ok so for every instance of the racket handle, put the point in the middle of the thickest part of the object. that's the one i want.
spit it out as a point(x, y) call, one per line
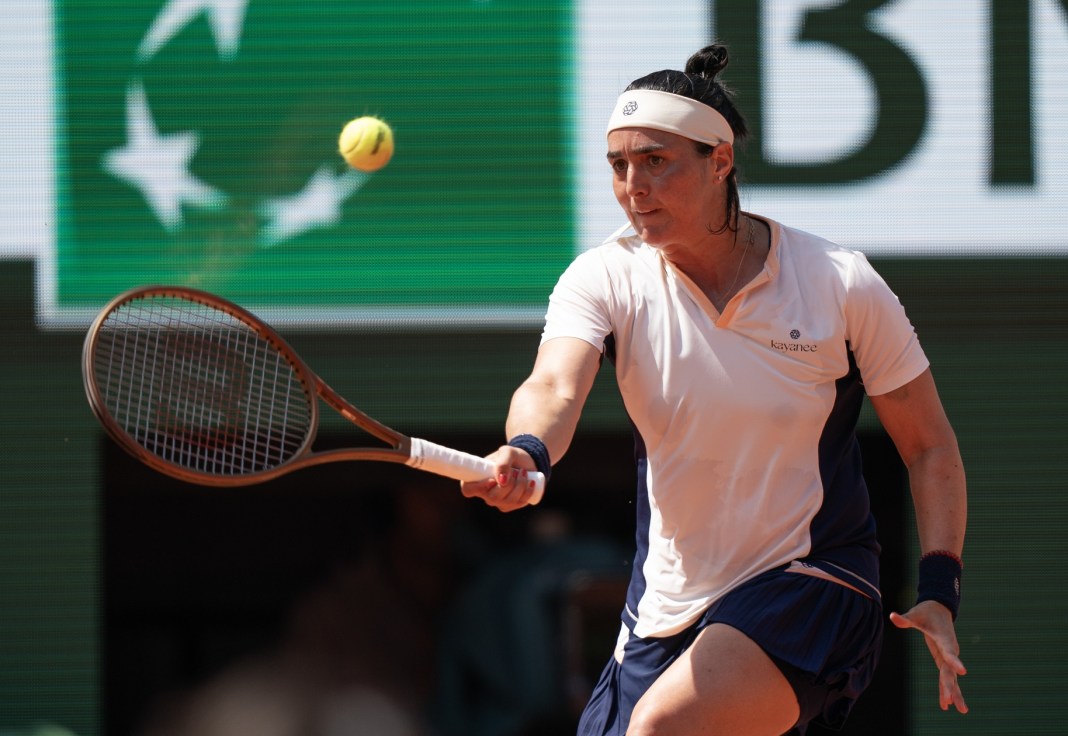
point(458, 465)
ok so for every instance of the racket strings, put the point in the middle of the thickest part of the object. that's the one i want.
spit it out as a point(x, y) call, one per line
point(199, 388)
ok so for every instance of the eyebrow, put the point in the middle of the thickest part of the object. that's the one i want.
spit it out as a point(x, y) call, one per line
point(651, 148)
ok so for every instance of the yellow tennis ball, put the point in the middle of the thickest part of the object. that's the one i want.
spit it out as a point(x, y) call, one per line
point(366, 143)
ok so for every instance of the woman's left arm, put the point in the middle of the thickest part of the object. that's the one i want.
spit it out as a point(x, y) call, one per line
point(916, 422)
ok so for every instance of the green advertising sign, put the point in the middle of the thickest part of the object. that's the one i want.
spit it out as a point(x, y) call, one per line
point(200, 148)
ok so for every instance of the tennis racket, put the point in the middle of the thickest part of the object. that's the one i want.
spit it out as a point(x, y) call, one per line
point(200, 389)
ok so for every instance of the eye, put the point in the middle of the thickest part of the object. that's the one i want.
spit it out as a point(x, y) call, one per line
point(618, 165)
point(655, 160)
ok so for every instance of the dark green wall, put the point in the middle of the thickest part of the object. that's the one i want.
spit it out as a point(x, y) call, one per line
point(995, 331)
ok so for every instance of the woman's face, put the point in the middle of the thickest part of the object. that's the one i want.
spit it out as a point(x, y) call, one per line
point(672, 194)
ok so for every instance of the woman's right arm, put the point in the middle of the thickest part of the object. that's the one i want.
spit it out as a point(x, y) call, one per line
point(548, 405)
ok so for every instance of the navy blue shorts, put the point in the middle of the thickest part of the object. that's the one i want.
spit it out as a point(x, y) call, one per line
point(825, 637)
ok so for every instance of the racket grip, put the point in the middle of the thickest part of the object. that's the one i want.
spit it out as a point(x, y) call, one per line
point(434, 458)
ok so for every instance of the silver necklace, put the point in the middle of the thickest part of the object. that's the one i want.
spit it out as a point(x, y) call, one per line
point(748, 243)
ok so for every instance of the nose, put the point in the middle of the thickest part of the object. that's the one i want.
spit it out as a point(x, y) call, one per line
point(637, 184)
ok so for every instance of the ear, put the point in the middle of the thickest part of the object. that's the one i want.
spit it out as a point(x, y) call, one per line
point(722, 160)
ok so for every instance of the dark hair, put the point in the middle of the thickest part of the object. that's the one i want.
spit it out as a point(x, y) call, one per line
point(698, 82)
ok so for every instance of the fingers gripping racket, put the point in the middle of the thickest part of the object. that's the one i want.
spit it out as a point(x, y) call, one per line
point(200, 389)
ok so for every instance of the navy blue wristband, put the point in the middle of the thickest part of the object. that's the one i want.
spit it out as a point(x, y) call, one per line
point(537, 451)
point(940, 580)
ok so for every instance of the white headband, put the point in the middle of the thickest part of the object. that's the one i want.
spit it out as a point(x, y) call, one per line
point(646, 108)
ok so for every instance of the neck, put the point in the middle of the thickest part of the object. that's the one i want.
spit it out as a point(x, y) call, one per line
point(726, 263)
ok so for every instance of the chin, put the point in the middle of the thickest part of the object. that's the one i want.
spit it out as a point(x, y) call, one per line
point(650, 234)
point(649, 237)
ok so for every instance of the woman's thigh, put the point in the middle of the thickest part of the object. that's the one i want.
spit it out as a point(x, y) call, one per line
point(723, 684)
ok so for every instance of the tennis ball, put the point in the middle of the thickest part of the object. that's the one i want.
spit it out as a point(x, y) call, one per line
point(366, 143)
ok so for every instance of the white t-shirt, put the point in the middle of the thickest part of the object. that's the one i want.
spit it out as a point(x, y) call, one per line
point(744, 420)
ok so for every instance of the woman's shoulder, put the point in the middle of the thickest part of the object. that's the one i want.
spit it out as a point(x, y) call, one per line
point(806, 243)
point(807, 252)
point(621, 250)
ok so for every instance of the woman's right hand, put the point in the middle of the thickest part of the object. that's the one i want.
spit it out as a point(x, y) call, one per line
point(506, 491)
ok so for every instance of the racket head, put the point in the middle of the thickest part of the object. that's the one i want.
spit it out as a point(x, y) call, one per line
point(198, 388)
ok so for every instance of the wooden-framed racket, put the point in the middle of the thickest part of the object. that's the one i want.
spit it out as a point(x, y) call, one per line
point(202, 390)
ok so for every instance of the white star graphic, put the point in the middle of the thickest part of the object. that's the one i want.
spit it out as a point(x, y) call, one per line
point(159, 165)
point(227, 17)
point(318, 204)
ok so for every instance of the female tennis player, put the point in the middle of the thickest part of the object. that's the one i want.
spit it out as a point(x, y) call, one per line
point(743, 349)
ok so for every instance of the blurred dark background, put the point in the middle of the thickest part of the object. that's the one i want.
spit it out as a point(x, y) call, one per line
point(371, 575)
point(126, 598)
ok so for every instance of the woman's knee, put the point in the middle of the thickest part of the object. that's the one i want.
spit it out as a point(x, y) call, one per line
point(648, 719)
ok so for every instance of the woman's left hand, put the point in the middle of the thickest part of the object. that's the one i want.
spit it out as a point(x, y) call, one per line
point(936, 623)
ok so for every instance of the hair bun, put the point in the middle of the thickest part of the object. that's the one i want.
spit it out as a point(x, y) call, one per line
point(708, 62)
